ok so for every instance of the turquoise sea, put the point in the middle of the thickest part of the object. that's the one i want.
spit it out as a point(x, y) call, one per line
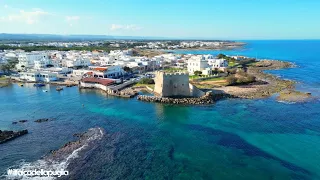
point(232, 139)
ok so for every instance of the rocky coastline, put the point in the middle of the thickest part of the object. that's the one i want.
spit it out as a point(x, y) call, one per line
point(125, 93)
point(208, 98)
point(6, 136)
point(266, 84)
point(3, 82)
point(84, 141)
point(293, 96)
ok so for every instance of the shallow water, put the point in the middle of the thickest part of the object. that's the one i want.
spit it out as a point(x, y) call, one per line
point(232, 139)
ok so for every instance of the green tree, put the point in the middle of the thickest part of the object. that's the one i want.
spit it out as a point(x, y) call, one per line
point(127, 69)
point(146, 81)
point(215, 71)
point(198, 73)
point(221, 56)
point(9, 66)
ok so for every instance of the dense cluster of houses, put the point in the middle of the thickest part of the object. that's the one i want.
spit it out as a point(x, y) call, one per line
point(179, 45)
point(47, 65)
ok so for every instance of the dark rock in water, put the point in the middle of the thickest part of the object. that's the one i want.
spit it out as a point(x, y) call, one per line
point(9, 135)
point(41, 120)
point(77, 134)
point(171, 153)
point(20, 121)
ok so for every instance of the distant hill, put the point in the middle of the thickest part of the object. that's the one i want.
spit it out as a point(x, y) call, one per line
point(54, 37)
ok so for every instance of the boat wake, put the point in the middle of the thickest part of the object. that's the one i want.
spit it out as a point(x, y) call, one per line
point(59, 160)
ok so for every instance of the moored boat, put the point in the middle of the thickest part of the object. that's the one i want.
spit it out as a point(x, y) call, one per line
point(59, 88)
point(38, 85)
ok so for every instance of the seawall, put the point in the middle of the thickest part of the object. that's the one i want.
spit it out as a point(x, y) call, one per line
point(208, 98)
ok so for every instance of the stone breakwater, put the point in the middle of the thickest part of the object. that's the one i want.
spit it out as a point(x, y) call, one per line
point(208, 98)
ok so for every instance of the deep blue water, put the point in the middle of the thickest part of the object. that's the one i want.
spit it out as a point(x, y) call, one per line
point(232, 139)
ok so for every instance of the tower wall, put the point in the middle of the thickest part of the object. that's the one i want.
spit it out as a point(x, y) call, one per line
point(172, 84)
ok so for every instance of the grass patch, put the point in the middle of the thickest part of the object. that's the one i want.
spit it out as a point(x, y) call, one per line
point(2, 78)
point(215, 79)
point(194, 77)
point(232, 64)
point(139, 84)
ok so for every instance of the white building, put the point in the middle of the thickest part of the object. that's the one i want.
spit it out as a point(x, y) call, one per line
point(43, 63)
point(38, 76)
point(218, 63)
point(79, 62)
point(197, 63)
point(113, 72)
point(80, 72)
point(27, 60)
point(205, 64)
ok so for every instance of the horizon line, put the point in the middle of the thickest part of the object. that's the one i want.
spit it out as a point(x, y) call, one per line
point(165, 38)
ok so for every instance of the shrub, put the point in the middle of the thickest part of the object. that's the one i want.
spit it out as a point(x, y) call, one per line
point(231, 80)
point(232, 71)
point(251, 78)
point(198, 73)
point(146, 81)
point(241, 72)
point(241, 80)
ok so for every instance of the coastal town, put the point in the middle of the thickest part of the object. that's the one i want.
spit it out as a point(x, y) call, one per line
point(120, 44)
point(149, 75)
point(125, 72)
point(159, 90)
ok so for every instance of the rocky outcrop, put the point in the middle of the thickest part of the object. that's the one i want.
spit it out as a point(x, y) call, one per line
point(85, 140)
point(41, 120)
point(9, 135)
point(294, 96)
point(20, 121)
point(208, 98)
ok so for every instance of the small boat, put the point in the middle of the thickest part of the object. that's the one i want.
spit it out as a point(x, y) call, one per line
point(59, 88)
point(38, 85)
point(21, 85)
point(45, 90)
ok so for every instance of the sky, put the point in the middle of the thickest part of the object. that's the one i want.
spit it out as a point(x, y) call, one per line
point(208, 19)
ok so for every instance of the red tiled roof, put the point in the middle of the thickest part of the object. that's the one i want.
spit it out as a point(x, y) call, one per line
point(104, 82)
point(100, 68)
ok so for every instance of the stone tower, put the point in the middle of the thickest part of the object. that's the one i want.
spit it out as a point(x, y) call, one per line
point(172, 84)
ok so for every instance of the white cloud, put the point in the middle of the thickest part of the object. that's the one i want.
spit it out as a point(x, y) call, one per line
point(6, 6)
point(72, 18)
point(28, 17)
point(132, 27)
